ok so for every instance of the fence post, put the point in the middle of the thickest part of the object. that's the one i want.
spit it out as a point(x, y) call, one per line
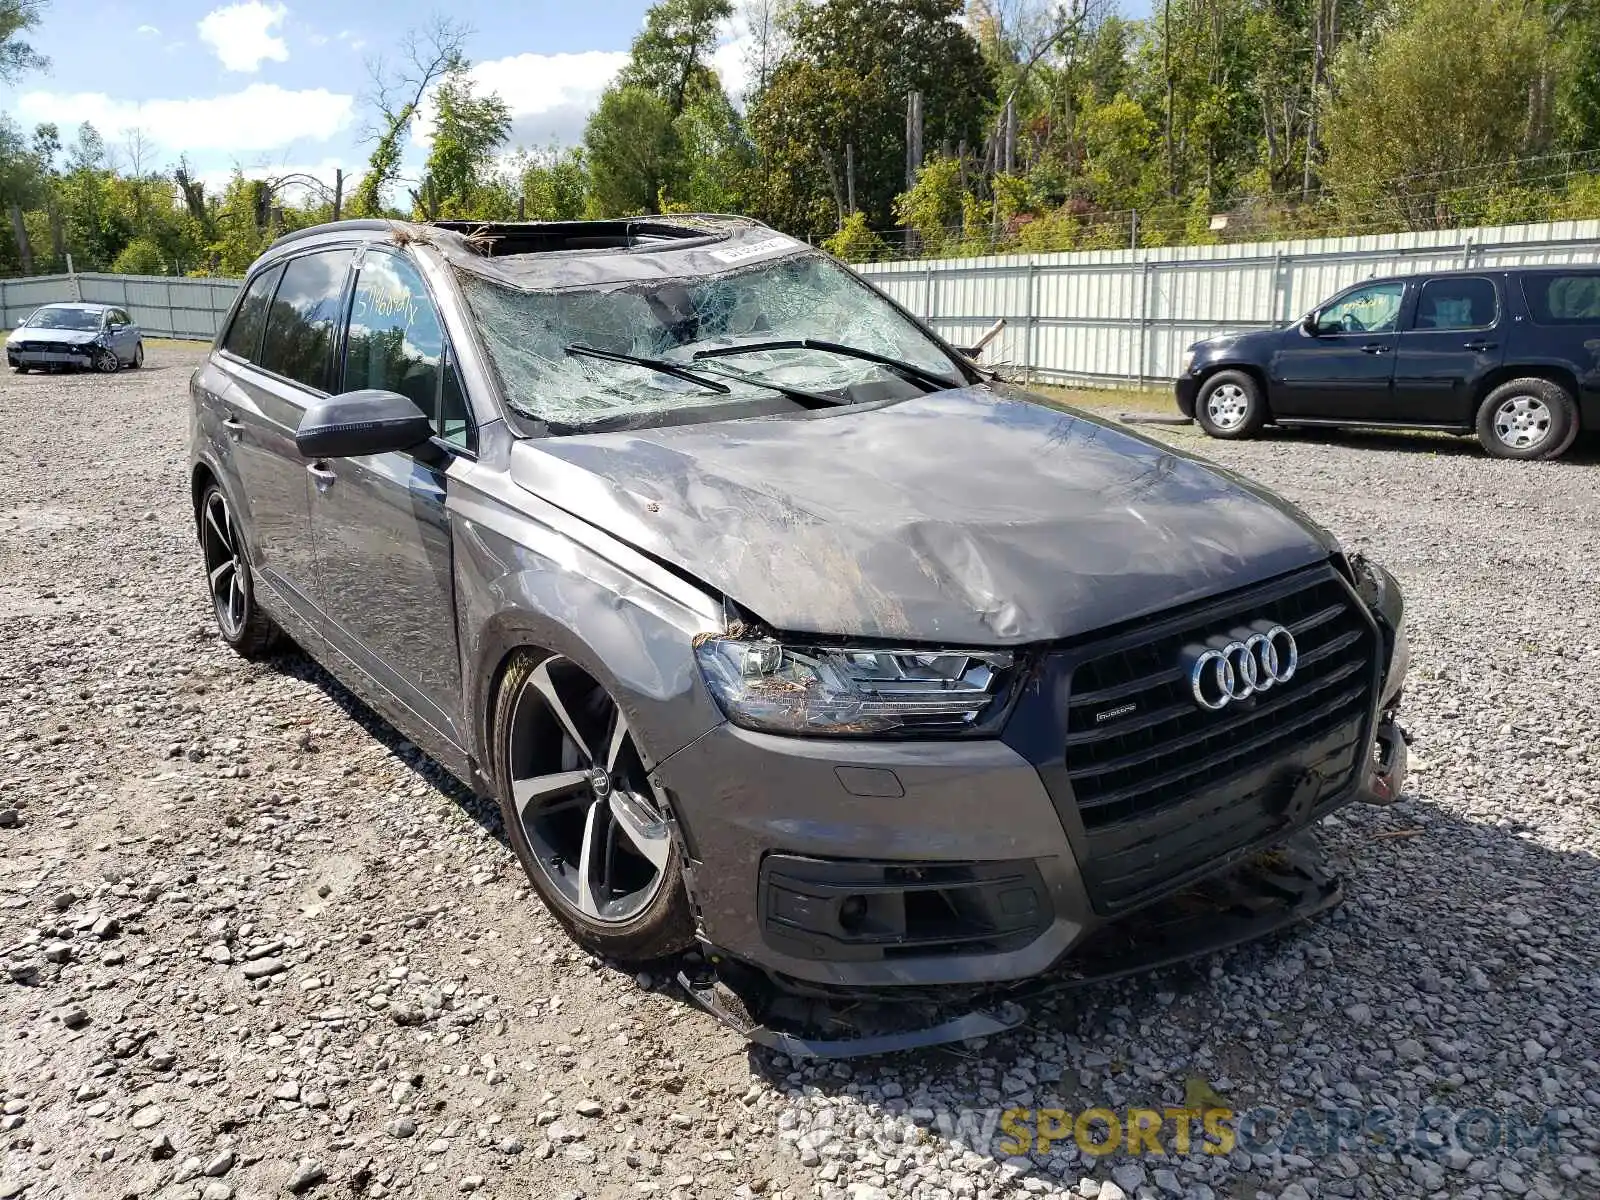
point(1029, 323)
point(1466, 256)
point(1144, 318)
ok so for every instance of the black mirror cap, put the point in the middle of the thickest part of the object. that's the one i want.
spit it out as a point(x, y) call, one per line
point(370, 421)
point(1308, 323)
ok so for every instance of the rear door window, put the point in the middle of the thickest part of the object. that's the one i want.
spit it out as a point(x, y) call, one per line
point(304, 318)
point(1563, 299)
point(1457, 304)
point(244, 335)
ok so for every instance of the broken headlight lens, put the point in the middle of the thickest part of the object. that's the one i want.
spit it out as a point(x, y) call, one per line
point(838, 691)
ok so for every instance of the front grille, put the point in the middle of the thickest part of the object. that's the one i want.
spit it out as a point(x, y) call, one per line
point(1163, 787)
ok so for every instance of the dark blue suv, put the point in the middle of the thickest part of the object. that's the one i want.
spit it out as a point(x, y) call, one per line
point(1505, 354)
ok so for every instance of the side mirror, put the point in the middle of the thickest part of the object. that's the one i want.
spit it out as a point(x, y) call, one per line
point(365, 422)
point(1308, 324)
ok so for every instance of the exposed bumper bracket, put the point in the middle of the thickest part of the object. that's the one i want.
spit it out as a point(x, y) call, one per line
point(1270, 891)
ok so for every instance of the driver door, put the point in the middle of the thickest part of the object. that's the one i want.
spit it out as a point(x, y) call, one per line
point(1344, 370)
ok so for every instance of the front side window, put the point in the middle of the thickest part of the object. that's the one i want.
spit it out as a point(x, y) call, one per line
point(244, 335)
point(531, 337)
point(304, 318)
point(1563, 299)
point(1456, 304)
point(66, 316)
point(395, 342)
point(1372, 309)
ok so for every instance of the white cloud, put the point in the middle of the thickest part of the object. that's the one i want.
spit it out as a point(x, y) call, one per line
point(550, 95)
point(263, 116)
point(148, 31)
point(242, 34)
point(731, 60)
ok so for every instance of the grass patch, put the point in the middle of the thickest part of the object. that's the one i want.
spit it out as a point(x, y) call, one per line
point(1158, 401)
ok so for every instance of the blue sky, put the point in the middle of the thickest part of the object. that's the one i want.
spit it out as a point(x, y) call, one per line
point(272, 86)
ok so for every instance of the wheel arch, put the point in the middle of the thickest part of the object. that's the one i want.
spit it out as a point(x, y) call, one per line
point(1561, 374)
point(1253, 370)
point(200, 478)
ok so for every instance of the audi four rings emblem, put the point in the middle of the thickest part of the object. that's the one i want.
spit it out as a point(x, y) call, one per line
point(1237, 670)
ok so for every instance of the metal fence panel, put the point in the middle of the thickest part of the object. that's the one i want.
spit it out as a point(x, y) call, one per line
point(1128, 315)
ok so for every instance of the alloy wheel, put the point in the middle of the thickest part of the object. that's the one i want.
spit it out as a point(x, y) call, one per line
point(592, 818)
point(219, 539)
point(1227, 406)
point(105, 361)
point(1522, 422)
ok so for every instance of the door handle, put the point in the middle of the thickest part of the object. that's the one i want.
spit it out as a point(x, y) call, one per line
point(322, 475)
point(1479, 346)
point(234, 426)
point(1375, 348)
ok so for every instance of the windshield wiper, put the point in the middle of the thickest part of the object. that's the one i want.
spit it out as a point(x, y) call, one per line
point(578, 349)
point(667, 367)
point(936, 382)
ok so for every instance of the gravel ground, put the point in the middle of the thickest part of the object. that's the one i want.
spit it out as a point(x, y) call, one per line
point(253, 942)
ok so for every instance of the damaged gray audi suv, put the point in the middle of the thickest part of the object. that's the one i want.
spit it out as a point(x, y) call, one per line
point(775, 623)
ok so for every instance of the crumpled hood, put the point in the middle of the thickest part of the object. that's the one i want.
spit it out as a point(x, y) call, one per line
point(971, 517)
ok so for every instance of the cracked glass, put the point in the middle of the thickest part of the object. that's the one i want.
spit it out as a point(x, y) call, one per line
point(803, 297)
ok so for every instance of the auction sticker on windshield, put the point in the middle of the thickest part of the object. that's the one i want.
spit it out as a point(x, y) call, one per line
point(734, 254)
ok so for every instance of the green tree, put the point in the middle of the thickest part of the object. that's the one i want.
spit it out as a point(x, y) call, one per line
point(396, 92)
point(671, 56)
point(837, 100)
point(18, 17)
point(468, 130)
point(632, 148)
point(1422, 125)
point(855, 242)
point(554, 184)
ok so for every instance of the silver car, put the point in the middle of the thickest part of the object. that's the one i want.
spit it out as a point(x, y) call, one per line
point(79, 335)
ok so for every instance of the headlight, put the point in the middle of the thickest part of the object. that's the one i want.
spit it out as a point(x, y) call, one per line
point(1188, 361)
point(839, 691)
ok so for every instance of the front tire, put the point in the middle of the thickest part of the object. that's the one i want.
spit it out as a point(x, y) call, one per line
point(1230, 406)
point(106, 361)
point(248, 630)
point(1528, 419)
point(20, 369)
point(589, 826)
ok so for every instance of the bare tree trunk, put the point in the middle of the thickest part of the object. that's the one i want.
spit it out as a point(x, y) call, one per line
point(24, 250)
point(338, 192)
point(58, 237)
point(850, 178)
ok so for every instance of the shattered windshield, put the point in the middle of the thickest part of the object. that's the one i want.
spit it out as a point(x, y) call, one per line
point(85, 320)
point(528, 334)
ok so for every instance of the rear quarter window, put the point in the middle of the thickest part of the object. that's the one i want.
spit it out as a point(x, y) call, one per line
point(1563, 299)
point(244, 335)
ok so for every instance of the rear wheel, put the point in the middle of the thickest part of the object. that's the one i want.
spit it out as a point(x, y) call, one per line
point(1528, 419)
point(591, 829)
point(242, 625)
point(1230, 406)
point(138, 354)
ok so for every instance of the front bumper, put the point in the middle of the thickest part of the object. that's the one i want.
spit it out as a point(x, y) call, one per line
point(840, 867)
point(1185, 390)
point(64, 356)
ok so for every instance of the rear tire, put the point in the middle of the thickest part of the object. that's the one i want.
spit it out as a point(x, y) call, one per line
point(1230, 406)
point(138, 356)
point(592, 832)
point(248, 630)
point(1528, 419)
